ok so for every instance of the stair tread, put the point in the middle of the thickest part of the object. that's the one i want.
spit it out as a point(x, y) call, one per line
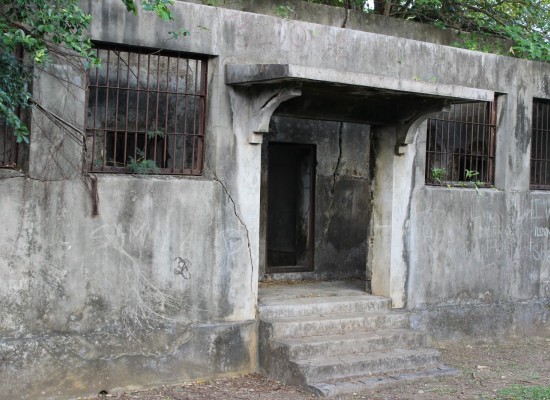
point(321, 300)
point(348, 336)
point(371, 356)
point(358, 384)
point(328, 317)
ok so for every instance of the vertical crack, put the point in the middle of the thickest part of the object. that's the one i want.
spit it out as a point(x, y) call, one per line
point(335, 176)
point(240, 221)
point(347, 7)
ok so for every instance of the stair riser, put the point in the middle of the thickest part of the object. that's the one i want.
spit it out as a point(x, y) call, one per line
point(409, 340)
point(298, 310)
point(339, 325)
point(362, 368)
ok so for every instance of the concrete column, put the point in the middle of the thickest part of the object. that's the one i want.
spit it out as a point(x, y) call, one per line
point(251, 109)
point(395, 179)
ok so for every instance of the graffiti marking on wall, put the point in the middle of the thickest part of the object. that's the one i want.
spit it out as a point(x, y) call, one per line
point(540, 218)
point(182, 267)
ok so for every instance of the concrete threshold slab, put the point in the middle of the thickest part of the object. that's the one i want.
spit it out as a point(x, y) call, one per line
point(282, 290)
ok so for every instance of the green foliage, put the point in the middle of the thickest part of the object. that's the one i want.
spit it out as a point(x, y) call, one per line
point(471, 174)
point(518, 392)
point(37, 27)
point(525, 24)
point(14, 78)
point(160, 7)
point(41, 27)
point(142, 165)
point(438, 174)
point(179, 33)
point(351, 4)
point(155, 134)
point(283, 11)
point(213, 3)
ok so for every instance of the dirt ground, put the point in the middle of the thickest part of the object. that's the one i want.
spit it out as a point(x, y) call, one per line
point(486, 368)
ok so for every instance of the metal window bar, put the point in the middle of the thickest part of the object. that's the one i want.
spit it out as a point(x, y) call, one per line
point(8, 146)
point(8, 142)
point(146, 112)
point(460, 144)
point(540, 157)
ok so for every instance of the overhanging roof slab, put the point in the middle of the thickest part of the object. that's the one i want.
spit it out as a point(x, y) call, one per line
point(262, 74)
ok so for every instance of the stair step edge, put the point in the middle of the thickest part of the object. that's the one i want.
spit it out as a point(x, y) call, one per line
point(324, 299)
point(373, 356)
point(361, 384)
point(348, 336)
point(306, 318)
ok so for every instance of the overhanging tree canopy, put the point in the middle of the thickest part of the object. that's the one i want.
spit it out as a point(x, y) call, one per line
point(40, 27)
point(526, 23)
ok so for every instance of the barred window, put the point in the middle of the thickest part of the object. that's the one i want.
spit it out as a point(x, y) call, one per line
point(460, 145)
point(8, 142)
point(8, 146)
point(146, 112)
point(540, 145)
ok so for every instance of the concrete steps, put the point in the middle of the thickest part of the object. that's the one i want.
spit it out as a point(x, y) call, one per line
point(334, 344)
point(350, 343)
point(329, 325)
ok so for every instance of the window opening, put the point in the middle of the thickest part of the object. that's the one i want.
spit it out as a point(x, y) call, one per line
point(8, 142)
point(460, 145)
point(540, 154)
point(8, 146)
point(146, 112)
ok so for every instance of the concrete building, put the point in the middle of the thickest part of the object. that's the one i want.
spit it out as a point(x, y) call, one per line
point(140, 220)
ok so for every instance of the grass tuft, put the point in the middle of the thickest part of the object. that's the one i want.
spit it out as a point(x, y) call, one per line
point(518, 392)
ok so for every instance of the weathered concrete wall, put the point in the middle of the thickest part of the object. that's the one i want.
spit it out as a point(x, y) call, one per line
point(469, 263)
point(342, 18)
point(482, 269)
point(161, 286)
point(157, 288)
point(342, 193)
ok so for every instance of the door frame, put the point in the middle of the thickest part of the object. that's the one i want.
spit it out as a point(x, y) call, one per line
point(311, 215)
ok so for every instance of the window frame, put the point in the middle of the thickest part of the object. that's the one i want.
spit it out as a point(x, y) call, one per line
point(196, 133)
point(540, 135)
point(8, 161)
point(479, 125)
point(7, 133)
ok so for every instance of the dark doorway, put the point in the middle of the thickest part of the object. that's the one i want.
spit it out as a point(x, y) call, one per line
point(290, 207)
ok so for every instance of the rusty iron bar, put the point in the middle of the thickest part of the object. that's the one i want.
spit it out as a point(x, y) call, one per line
point(169, 90)
point(8, 146)
point(461, 139)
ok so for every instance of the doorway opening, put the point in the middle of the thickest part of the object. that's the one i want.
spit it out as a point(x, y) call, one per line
point(315, 203)
point(290, 207)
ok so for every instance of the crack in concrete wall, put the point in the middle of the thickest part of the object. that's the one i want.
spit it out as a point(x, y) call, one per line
point(215, 177)
point(334, 180)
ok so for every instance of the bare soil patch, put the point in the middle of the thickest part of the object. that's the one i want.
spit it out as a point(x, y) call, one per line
point(486, 368)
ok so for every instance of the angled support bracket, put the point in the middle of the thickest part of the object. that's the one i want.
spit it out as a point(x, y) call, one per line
point(407, 129)
point(253, 107)
point(260, 120)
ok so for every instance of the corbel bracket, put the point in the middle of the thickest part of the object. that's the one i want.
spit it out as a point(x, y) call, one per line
point(263, 113)
point(407, 129)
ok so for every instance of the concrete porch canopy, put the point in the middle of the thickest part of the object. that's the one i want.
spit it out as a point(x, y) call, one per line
point(328, 94)
point(396, 106)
